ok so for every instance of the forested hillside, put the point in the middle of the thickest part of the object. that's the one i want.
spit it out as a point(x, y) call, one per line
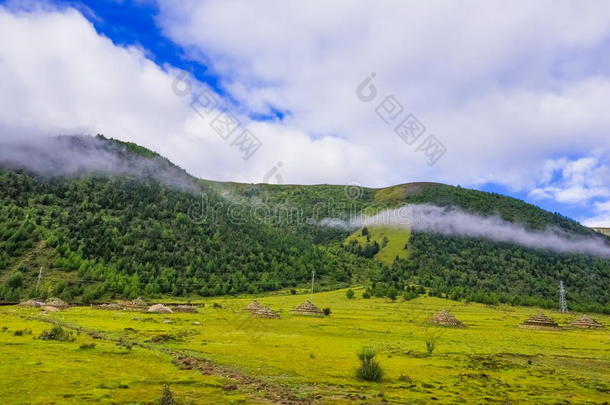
point(148, 228)
point(459, 267)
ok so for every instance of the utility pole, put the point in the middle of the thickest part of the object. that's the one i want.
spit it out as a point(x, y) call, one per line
point(563, 306)
point(39, 277)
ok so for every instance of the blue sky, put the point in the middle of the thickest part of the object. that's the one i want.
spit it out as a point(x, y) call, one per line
point(515, 106)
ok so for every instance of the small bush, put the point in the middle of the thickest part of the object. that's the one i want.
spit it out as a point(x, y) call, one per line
point(326, 311)
point(366, 295)
point(405, 379)
point(293, 291)
point(349, 294)
point(369, 369)
point(167, 398)
point(22, 332)
point(57, 333)
point(216, 305)
point(431, 345)
point(409, 295)
point(86, 346)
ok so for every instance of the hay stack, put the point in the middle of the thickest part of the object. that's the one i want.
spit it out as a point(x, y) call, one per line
point(446, 318)
point(307, 308)
point(138, 302)
point(264, 312)
point(185, 309)
point(48, 308)
point(57, 303)
point(134, 305)
point(539, 321)
point(34, 303)
point(159, 309)
point(586, 322)
point(254, 305)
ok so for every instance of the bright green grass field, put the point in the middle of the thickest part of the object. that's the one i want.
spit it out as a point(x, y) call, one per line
point(397, 239)
point(492, 360)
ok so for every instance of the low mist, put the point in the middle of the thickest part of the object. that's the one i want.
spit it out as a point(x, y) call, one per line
point(72, 156)
point(455, 222)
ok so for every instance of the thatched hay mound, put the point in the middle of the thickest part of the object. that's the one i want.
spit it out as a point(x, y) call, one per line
point(138, 302)
point(185, 309)
point(48, 308)
point(446, 318)
point(586, 323)
point(253, 306)
point(34, 303)
point(108, 307)
point(264, 312)
point(57, 303)
point(133, 305)
point(307, 308)
point(159, 309)
point(539, 321)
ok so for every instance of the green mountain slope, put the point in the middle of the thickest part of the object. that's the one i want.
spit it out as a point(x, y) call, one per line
point(383, 243)
point(151, 229)
point(127, 235)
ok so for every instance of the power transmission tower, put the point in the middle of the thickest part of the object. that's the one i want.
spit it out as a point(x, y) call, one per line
point(563, 306)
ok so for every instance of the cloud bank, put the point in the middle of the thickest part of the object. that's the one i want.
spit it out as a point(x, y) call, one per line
point(509, 90)
point(81, 155)
point(455, 222)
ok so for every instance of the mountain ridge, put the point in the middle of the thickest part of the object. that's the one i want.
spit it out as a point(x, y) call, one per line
point(126, 233)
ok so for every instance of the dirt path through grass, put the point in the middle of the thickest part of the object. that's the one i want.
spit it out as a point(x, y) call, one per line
point(252, 386)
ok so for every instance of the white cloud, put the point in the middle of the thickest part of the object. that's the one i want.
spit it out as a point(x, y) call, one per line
point(602, 216)
point(574, 181)
point(58, 76)
point(505, 87)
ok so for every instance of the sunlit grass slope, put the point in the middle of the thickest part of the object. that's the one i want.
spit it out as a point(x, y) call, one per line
point(491, 360)
point(392, 242)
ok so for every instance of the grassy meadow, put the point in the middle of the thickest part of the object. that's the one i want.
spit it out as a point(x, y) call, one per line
point(223, 356)
point(391, 240)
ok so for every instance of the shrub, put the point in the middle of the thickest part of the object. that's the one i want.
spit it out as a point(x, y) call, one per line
point(409, 295)
point(366, 295)
point(349, 294)
point(57, 333)
point(326, 311)
point(216, 305)
point(22, 332)
point(369, 369)
point(405, 379)
point(167, 398)
point(86, 346)
point(431, 345)
point(293, 291)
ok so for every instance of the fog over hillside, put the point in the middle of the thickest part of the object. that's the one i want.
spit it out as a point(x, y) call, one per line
point(453, 221)
point(77, 155)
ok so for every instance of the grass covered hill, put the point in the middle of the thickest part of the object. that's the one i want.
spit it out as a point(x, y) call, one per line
point(123, 221)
